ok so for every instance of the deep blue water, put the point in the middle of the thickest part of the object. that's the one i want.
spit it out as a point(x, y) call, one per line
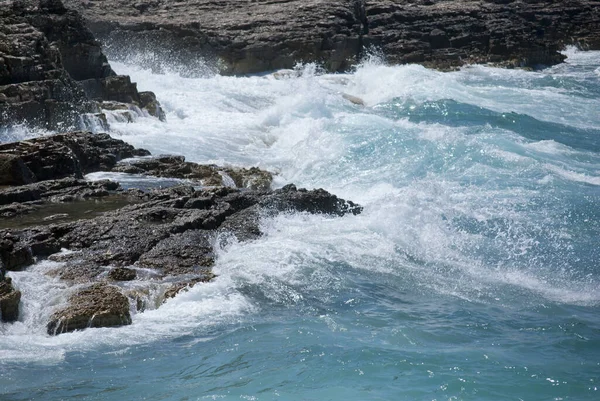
point(473, 273)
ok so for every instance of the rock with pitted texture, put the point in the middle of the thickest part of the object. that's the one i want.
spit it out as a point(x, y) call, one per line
point(160, 236)
point(98, 305)
point(236, 37)
point(61, 155)
point(52, 70)
point(248, 37)
point(446, 34)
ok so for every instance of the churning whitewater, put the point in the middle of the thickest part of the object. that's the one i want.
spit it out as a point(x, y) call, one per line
point(472, 274)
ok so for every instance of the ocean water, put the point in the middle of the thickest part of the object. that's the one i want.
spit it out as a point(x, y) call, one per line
point(473, 273)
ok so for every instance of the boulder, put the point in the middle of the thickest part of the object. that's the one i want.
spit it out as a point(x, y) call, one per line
point(98, 305)
point(13, 170)
point(9, 301)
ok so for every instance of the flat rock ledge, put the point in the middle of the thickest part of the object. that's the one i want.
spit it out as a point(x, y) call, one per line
point(163, 236)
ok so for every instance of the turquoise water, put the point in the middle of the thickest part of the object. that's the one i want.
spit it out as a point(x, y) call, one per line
point(473, 273)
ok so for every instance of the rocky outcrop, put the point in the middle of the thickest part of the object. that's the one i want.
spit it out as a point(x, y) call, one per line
point(177, 167)
point(234, 37)
point(98, 305)
point(61, 155)
point(52, 70)
point(246, 37)
point(167, 234)
point(513, 33)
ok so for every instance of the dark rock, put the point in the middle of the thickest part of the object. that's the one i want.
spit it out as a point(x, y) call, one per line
point(446, 34)
point(98, 305)
point(239, 37)
point(122, 274)
point(13, 171)
point(169, 232)
point(9, 301)
point(45, 52)
point(248, 37)
point(148, 102)
point(63, 190)
point(63, 155)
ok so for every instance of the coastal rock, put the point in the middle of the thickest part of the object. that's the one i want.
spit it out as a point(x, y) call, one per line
point(248, 37)
point(98, 305)
point(9, 301)
point(122, 274)
point(169, 234)
point(234, 37)
point(62, 155)
point(446, 34)
point(52, 70)
point(209, 175)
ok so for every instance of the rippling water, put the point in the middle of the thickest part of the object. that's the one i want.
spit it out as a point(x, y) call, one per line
point(473, 273)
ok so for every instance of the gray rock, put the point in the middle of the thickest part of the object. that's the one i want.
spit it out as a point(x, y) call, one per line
point(248, 37)
point(62, 155)
point(98, 305)
point(170, 231)
point(9, 301)
point(52, 67)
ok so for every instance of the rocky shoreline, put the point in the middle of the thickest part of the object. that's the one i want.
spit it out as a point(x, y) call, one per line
point(53, 73)
point(162, 236)
point(236, 37)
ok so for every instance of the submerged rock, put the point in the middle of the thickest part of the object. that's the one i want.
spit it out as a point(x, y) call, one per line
point(98, 305)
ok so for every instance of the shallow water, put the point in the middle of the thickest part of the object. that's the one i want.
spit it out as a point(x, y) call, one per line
point(472, 274)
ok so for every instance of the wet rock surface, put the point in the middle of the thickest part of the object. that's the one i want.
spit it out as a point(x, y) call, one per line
point(52, 69)
point(165, 235)
point(246, 37)
point(62, 155)
point(98, 305)
point(9, 300)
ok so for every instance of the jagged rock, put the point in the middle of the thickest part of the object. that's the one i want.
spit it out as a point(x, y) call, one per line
point(237, 37)
point(445, 34)
point(64, 155)
point(209, 175)
point(248, 37)
point(9, 300)
point(150, 104)
point(169, 232)
point(98, 305)
point(51, 67)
